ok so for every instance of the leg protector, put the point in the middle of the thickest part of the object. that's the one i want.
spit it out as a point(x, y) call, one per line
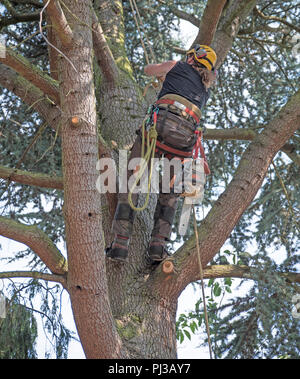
point(118, 250)
point(123, 220)
point(163, 220)
point(124, 212)
point(157, 249)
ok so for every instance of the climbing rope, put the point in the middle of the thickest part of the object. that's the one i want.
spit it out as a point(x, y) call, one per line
point(139, 24)
point(202, 283)
point(150, 141)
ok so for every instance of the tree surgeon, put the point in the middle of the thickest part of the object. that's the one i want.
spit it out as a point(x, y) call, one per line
point(185, 91)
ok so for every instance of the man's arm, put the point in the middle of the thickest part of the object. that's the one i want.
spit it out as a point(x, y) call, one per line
point(159, 70)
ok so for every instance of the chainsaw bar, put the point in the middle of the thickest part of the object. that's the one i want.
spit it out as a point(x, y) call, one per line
point(184, 218)
point(190, 200)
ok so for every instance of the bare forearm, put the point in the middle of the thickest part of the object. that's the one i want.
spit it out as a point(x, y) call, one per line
point(160, 69)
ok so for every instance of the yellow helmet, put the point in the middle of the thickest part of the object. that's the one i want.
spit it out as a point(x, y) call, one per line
point(205, 55)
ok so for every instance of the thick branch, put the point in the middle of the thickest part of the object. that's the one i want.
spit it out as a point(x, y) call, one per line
point(28, 17)
point(35, 3)
point(38, 241)
point(227, 210)
point(53, 54)
point(231, 20)
point(31, 73)
point(247, 135)
point(229, 134)
point(34, 275)
point(31, 178)
point(209, 21)
point(103, 53)
point(30, 94)
point(242, 272)
point(60, 22)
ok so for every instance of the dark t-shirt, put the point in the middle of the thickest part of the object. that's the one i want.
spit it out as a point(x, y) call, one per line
point(185, 81)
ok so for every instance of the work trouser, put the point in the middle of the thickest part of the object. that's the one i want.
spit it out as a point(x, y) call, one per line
point(179, 133)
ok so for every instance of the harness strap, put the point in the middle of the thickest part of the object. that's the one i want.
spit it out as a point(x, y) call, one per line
point(180, 106)
point(183, 101)
point(186, 154)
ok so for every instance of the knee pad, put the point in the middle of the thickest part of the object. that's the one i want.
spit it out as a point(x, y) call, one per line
point(124, 212)
point(165, 213)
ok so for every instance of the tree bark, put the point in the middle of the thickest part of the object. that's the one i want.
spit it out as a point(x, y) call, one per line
point(87, 283)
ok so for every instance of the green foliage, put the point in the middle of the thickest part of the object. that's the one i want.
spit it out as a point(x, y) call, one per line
point(256, 325)
point(18, 332)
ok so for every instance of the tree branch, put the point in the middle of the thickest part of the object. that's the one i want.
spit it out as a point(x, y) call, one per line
point(227, 210)
point(26, 17)
point(35, 3)
point(38, 241)
point(277, 19)
point(247, 135)
point(30, 94)
point(103, 53)
point(231, 19)
point(35, 275)
point(181, 14)
point(209, 21)
point(53, 54)
point(59, 22)
point(31, 178)
point(31, 73)
point(242, 272)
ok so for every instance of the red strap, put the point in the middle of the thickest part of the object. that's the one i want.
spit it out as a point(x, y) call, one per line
point(199, 148)
point(187, 110)
point(179, 153)
point(155, 118)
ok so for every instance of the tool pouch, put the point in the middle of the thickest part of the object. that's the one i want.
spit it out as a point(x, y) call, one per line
point(175, 131)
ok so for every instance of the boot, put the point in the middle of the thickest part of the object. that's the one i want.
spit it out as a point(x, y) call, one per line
point(163, 220)
point(118, 250)
point(157, 249)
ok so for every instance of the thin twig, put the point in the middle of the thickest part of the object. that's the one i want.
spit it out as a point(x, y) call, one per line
point(48, 42)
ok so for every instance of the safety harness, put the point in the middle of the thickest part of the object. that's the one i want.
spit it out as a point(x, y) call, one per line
point(150, 144)
point(182, 107)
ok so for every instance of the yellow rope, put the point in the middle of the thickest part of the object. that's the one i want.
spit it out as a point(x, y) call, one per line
point(150, 153)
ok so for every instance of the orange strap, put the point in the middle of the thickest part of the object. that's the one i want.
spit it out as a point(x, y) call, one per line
point(186, 154)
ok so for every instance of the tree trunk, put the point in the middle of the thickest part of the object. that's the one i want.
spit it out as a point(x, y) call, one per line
point(145, 320)
point(82, 206)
